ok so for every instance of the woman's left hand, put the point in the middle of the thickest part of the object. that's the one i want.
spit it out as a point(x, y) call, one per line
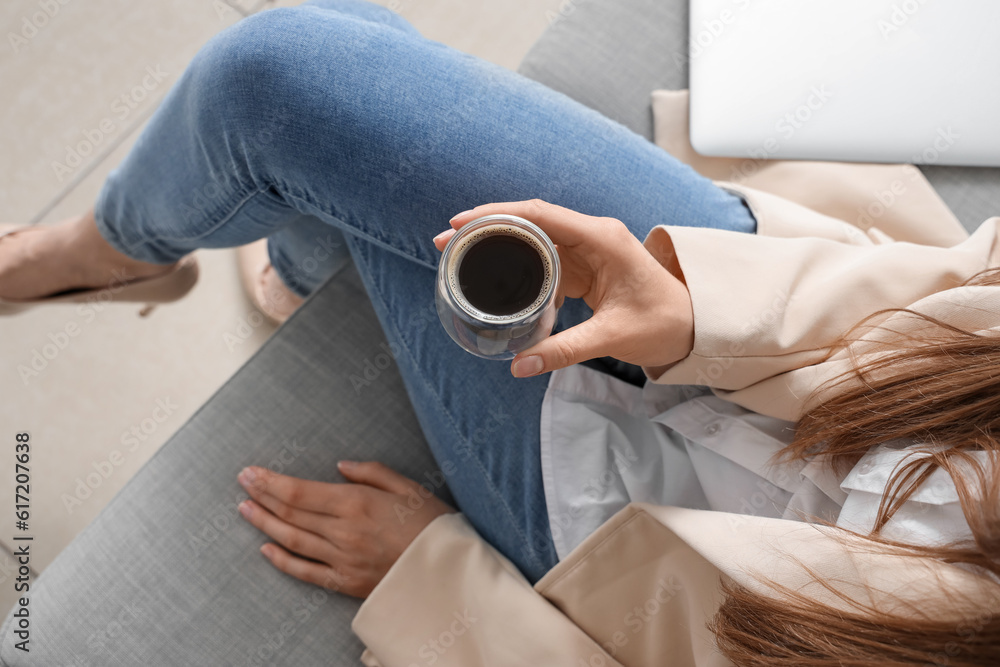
point(340, 536)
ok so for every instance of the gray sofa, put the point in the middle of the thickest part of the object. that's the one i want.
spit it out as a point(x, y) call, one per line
point(169, 575)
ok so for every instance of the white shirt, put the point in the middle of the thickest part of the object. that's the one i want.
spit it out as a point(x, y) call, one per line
point(606, 443)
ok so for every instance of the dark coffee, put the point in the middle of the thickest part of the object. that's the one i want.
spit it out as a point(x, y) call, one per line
point(501, 274)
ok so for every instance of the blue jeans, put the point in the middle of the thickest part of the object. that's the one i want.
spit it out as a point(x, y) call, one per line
point(336, 131)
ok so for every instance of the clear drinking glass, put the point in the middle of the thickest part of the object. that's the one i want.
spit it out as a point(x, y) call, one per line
point(485, 334)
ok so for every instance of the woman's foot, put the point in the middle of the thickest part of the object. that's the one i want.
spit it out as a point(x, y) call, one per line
point(263, 285)
point(40, 261)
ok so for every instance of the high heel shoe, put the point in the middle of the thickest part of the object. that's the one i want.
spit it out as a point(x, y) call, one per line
point(164, 288)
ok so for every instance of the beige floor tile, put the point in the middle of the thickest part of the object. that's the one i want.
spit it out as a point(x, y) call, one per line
point(116, 373)
point(501, 32)
point(247, 7)
point(76, 81)
point(99, 403)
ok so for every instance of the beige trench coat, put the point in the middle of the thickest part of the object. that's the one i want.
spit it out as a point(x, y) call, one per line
point(835, 243)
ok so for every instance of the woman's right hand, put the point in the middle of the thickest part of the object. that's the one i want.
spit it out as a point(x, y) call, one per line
point(642, 311)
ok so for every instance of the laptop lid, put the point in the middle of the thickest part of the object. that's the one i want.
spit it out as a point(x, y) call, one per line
point(855, 80)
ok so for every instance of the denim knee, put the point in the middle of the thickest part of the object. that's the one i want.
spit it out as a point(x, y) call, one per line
point(274, 75)
point(280, 51)
point(257, 63)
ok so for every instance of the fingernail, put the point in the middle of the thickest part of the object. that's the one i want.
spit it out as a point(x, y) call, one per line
point(247, 476)
point(460, 215)
point(245, 509)
point(528, 366)
point(346, 465)
point(442, 235)
point(267, 550)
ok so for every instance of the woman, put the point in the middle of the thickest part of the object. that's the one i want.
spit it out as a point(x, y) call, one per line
point(337, 116)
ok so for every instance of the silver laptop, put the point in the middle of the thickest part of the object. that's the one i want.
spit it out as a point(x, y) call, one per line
point(856, 80)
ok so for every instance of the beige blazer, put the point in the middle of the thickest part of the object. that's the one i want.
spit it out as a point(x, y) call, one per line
point(835, 243)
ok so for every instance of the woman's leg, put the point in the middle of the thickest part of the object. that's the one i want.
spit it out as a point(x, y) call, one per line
point(377, 131)
point(306, 253)
point(384, 135)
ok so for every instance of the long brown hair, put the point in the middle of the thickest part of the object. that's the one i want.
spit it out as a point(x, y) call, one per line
point(941, 389)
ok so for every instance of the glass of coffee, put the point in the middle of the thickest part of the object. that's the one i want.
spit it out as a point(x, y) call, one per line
point(496, 286)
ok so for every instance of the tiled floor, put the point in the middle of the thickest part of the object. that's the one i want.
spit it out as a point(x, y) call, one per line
point(77, 91)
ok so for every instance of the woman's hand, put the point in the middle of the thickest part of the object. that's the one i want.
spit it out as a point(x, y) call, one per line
point(642, 311)
point(340, 536)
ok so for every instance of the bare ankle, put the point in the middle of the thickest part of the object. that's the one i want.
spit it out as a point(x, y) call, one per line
point(37, 262)
point(104, 262)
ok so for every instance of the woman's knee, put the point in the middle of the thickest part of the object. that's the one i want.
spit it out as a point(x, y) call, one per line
point(297, 44)
point(260, 54)
point(258, 80)
point(288, 61)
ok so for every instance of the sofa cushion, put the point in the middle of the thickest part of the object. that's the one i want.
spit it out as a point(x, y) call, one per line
point(611, 54)
point(169, 574)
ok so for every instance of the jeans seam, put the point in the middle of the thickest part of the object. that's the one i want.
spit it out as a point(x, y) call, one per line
point(244, 196)
point(354, 231)
point(510, 515)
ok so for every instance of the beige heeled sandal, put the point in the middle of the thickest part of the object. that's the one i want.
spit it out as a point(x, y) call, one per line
point(164, 288)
